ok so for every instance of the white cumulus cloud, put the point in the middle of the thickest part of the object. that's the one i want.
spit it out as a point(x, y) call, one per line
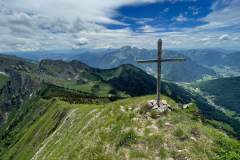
point(60, 24)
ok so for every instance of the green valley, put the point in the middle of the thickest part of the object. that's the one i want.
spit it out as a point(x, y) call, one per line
point(225, 92)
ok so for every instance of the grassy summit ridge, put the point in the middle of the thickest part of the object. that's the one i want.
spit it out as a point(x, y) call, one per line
point(125, 129)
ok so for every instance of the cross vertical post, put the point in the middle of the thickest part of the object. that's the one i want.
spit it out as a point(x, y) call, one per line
point(159, 71)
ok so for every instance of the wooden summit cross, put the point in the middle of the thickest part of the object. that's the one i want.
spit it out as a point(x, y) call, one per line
point(159, 61)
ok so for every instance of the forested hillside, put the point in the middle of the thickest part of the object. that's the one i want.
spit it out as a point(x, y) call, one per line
point(225, 92)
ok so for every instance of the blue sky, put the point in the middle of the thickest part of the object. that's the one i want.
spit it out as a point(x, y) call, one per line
point(165, 15)
point(60, 24)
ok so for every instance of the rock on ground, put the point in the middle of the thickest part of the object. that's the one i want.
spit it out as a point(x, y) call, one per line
point(164, 106)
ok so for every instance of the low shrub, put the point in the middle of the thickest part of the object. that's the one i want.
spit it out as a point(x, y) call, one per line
point(179, 133)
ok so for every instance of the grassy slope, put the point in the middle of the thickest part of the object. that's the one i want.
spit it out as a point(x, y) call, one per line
point(3, 80)
point(28, 127)
point(92, 86)
point(53, 129)
point(121, 81)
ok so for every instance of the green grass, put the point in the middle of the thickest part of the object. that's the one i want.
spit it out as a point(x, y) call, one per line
point(92, 85)
point(53, 129)
point(3, 80)
point(155, 141)
point(28, 127)
point(126, 139)
point(179, 133)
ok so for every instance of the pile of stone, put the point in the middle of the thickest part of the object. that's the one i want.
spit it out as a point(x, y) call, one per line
point(164, 106)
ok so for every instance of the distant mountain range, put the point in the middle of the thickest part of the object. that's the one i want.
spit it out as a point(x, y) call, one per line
point(215, 57)
point(173, 72)
point(223, 62)
point(200, 64)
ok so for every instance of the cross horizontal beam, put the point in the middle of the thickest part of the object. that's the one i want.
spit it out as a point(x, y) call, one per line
point(162, 60)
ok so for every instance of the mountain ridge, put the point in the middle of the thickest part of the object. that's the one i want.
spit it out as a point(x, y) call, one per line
point(127, 55)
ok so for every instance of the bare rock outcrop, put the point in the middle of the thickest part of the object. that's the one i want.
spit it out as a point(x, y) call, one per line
point(18, 89)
